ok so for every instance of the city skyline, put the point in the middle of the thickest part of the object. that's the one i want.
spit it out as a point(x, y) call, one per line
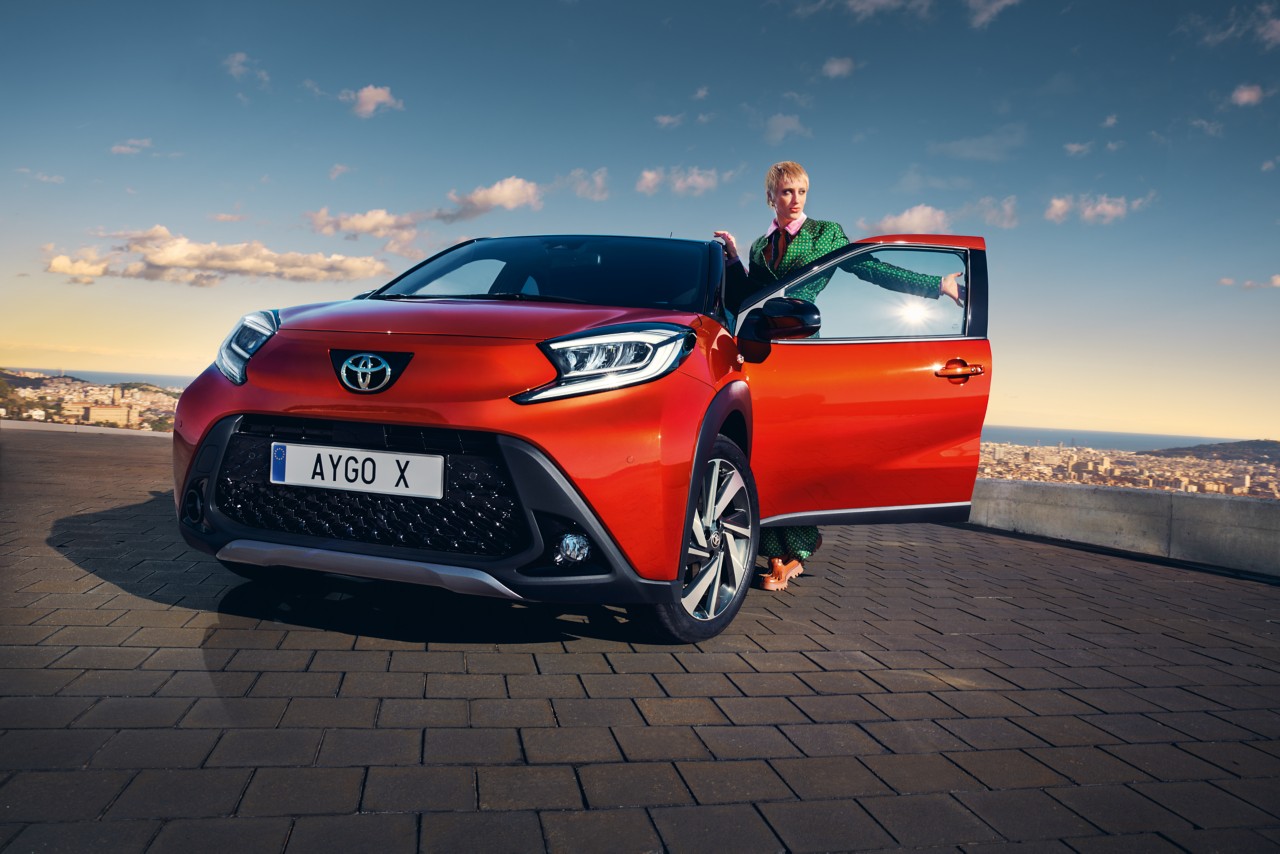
point(174, 168)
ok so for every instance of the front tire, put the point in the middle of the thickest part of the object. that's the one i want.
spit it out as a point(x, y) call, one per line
point(722, 535)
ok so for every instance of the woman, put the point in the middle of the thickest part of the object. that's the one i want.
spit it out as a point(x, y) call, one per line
point(793, 240)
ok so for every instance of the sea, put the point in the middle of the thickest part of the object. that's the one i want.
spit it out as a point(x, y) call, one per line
point(114, 377)
point(1102, 441)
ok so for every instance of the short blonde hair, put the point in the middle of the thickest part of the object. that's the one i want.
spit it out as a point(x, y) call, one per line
point(779, 172)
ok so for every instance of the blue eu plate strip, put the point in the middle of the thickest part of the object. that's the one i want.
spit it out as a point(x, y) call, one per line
point(277, 462)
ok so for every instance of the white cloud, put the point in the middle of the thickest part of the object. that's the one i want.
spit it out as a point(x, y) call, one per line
point(1059, 208)
point(1261, 22)
point(338, 170)
point(159, 255)
point(241, 66)
point(921, 219)
point(237, 64)
point(1001, 214)
point(800, 99)
point(369, 100)
point(650, 181)
point(378, 222)
point(1145, 201)
point(992, 147)
point(509, 194)
point(705, 118)
point(1078, 149)
point(1275, 281)
point(779, 127)
point(399, 230)
point(131, 146)
point(837, 66)
point(1210, 128)
point(1269, 32)
point(1115, 145)
point(1247, 96)
point(83, 268)
point(701, 93)
point(682, 181)
point(591, 186)
point(1111, 121)
point(1269, 165)
point(1096, 210)
point(226, 217)
point(863, 9)
point(42, 177)
point(1103, 209)
point(1226, 282)
point(693, 181)
point(983, 12)
point(668, 122)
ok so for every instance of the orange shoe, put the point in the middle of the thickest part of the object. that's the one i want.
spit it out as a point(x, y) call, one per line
point(780, 572)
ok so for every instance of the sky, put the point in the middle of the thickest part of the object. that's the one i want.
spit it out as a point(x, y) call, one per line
point(167, 167)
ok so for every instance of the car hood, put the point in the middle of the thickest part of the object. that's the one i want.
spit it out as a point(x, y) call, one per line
point(472, 318)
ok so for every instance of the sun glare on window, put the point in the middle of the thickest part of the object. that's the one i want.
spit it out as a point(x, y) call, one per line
point(913, 312)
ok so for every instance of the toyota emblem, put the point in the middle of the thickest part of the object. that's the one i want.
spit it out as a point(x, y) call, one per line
point(365, 373)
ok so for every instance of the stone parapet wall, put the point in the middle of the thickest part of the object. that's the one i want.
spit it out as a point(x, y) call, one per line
point(1232, 533)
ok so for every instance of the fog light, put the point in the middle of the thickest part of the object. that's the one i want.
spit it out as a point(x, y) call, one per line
point(572, 548)
point(193, 505)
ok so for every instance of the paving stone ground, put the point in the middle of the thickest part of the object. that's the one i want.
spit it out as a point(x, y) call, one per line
point(920, 688)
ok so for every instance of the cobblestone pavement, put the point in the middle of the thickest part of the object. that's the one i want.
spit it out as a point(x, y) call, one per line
point(921, 688)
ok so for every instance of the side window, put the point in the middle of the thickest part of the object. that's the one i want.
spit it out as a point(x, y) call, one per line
point(886, 292)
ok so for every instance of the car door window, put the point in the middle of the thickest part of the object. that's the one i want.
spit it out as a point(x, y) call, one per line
point(885, 292)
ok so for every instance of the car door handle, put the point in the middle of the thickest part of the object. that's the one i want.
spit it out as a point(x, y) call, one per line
point(959, 371)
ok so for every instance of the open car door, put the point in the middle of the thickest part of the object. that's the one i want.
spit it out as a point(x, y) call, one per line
point(877, 416)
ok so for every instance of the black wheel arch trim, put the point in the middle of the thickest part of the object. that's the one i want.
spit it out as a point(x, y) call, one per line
point(730, 407)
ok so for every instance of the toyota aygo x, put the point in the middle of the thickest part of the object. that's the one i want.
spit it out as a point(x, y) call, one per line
point(587, 419)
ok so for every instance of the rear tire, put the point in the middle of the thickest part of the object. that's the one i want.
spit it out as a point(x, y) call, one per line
point(722, 535)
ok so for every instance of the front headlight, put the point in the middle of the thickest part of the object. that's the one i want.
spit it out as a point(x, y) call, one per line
point(610, 358)
point(245, 339)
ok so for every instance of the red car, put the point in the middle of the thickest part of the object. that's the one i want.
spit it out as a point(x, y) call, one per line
point(587, 419)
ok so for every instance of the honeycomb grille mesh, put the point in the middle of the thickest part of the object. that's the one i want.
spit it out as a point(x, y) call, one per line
point(478, 515)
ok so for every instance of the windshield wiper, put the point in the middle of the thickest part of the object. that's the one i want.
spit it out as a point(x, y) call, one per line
point(497, 296)
point(529, 297)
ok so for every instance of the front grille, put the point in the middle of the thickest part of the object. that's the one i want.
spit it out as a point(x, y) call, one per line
point(479, 514)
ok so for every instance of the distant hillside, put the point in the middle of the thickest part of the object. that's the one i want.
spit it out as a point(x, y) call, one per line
point(1262, 451)
point(16, 381)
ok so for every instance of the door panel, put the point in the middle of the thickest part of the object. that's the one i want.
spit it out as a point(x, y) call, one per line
point(884, 408)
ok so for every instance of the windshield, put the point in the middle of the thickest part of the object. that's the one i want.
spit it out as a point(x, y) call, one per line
point(635, 272)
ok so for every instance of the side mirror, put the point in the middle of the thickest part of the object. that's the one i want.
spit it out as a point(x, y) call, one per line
point(781, 318)
point(777, 319)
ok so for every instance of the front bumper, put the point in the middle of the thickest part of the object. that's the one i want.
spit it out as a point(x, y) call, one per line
point(506, 507)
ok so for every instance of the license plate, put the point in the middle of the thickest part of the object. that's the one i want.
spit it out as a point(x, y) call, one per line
point(419, 475)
